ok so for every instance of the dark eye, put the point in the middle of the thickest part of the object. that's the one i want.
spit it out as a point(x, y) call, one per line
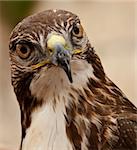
point(77, 30)
point(23, 50)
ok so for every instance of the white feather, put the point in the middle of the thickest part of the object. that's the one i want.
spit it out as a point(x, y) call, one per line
point(47, 131)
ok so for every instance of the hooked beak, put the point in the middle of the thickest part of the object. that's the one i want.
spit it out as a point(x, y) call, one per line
point(61, 55)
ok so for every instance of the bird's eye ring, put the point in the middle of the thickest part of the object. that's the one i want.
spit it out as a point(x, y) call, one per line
point(23, 50)
point(77, 30)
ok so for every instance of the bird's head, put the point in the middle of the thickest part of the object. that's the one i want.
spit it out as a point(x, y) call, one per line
point(50, 38)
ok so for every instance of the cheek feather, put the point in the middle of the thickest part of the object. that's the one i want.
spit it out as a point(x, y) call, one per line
point(55, 79)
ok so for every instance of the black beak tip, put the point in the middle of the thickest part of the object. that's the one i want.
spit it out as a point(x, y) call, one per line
point(68, 73)
point(71, 81)
point(70, 78)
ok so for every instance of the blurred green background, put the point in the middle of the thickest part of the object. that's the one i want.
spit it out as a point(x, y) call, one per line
point(13, 11)
point(110, 26)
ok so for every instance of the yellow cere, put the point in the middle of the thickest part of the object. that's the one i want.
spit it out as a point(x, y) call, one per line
point(55, 39)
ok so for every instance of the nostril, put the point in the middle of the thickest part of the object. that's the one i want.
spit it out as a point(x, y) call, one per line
point(50, 50)
point(61, 54)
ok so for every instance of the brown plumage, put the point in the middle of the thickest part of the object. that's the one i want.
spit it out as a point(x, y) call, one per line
point(66, 100)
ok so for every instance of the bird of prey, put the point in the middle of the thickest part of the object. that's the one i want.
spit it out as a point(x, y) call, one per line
point(66, 100)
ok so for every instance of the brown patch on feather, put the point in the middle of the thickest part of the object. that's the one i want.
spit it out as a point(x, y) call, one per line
point(73, 135)
point(93, 137)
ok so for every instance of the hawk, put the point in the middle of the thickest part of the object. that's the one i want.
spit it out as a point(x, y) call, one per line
point(66, 100)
